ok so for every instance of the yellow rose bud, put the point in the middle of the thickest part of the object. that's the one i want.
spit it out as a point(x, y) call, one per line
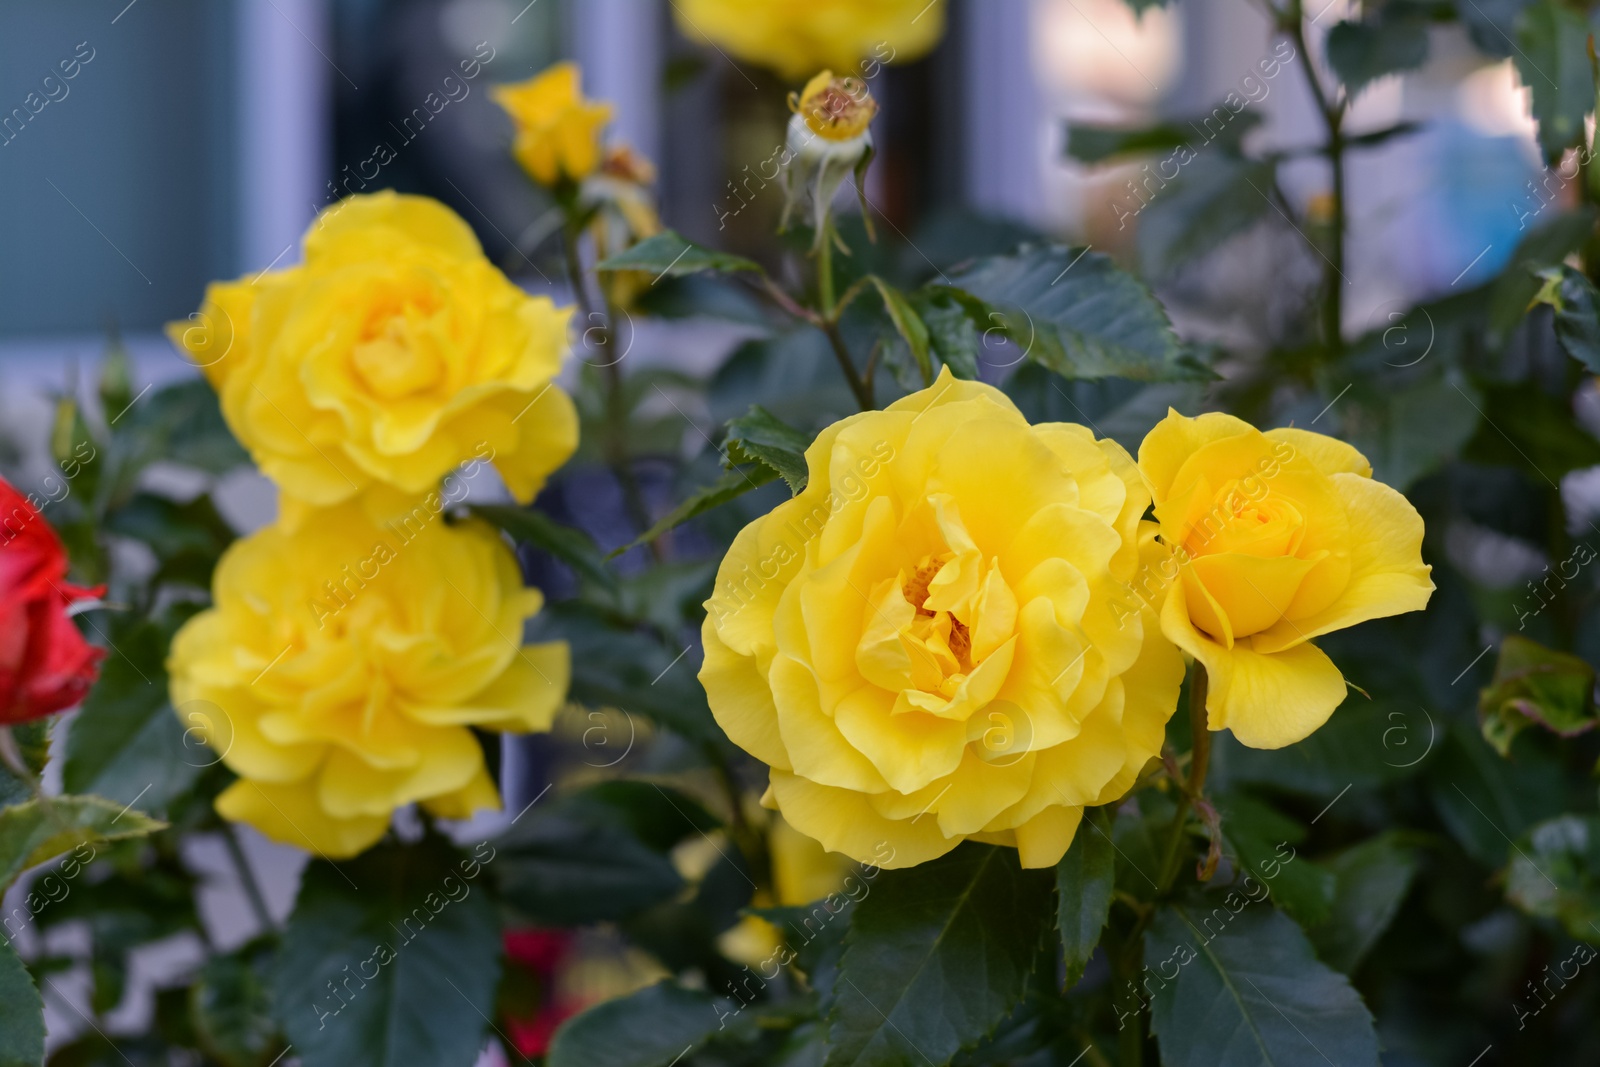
point(395, 353)
point(934, 642)
point(835, 109)
point(342, 665)
point(1278, 537)
point(558, 131)
point(796, 37)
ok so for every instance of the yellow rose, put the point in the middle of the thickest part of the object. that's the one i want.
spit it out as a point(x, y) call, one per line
point(558, 131)
point(923, 645)
point(1280, 537)
point(797, 37)
point(342, 665)
point(393, 354)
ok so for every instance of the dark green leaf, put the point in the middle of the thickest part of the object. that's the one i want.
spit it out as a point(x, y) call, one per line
point(126, 743)
point(1536, 685)
point(936, 957)
point(1211, 200)
point(1543, 247)
point(654, 1027)
point(562, 869)
point(21, 1013)
point(231, 1008)
point(32, 741)
point(658, 816)
point(1365, 746)
point(731, 485)
point(1485, 801)
point(390, 959)
point(1527, 428)
point(1075, 312)
point(1577, 314)
point(759, 436)
point(635, 674)
point(668, 255)
point(42, 829)
point(1492, 24)
point(568, 544)
point(1408, 431)
point(1238, 985)
point(1085, 879)
point(1362, 52)
point(1555, 874)
point(187, 538)
point(1370, 882)
point(1261, 841)
point(1553, 62)
point(953, 334)
point(1094, 144)
point(183, 423)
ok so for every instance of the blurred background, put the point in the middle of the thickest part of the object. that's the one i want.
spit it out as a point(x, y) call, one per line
point(199, 139)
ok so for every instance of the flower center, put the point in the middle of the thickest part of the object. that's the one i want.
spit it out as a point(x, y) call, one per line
point(394, 355)
point(1248, 519)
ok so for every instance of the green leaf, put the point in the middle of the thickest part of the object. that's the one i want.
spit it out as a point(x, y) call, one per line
point(1410, 430)
point(654, 1027)
point(731, 485)
point(1545, 246)
point(1095, 144)
point(668, 255)
point(1262, 844)
point(183, 423)
point(1553, 62)
point(566, 866)
point(907, 323)
point(1248, 991)
point(1536, 685)
point(42, 829)
point(1362, 52)
point(1370, 882)
point(568, 544)
point(1085, 879)
point(635, 674)
point(32, 742)
point(1555, 874)
point(126, 743)
point(759, 436)
point(1211, 200)
point(390, 959)
point(231, 1008)
point(1526, 428)
point(21, 1012)
point(1492, 24)
point(187, 538)
point(656, 815)
point(1577, 314)
point(1076, 313)
point(1486, 801)
point(936, 957)
point(953, 331)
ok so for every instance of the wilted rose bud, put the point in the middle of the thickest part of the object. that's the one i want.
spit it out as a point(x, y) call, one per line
point(829, 136)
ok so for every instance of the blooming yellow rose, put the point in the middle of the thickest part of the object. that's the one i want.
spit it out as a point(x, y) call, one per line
point(558, 131)
point(923, 645)
point(341, 667)
point(1279, 537)
point(393, 354)
point(797, 37)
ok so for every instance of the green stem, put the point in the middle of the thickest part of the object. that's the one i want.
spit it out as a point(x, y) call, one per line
point(825, 275)
point(1199, 764)
point(615, 444)
point(247, 878)
point(1333, 113)
point(858, 385)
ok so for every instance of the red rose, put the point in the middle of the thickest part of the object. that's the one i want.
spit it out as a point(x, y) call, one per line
point(45, 664)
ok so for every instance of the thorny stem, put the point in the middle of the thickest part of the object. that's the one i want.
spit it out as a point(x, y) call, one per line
point(1199, 763)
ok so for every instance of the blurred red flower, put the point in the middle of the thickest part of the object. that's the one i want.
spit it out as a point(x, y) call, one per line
point(540, 955)
point(45, 664)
